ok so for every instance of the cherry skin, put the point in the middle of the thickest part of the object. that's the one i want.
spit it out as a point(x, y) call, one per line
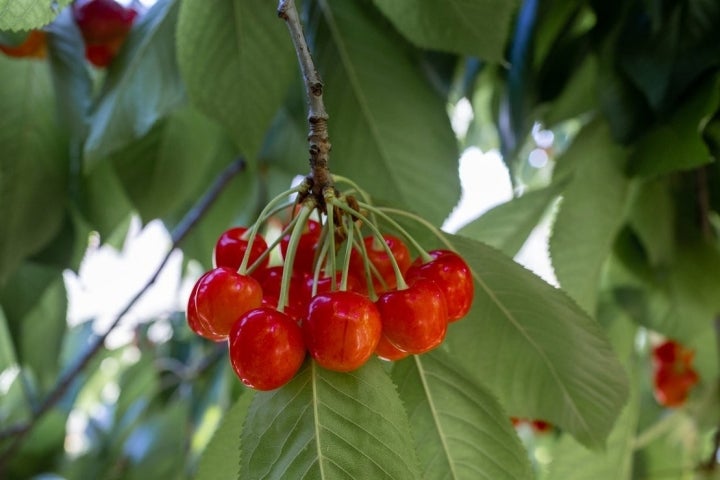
point(341, 330)
point(378, 257)
point(194, 320)
point(307, 246)
point(672, 385)
point(102, 21)
point(324, 284)
point(231, 246)
point(298, 298)
point(415, 319)
point(222, 296)
point(34, 46)
point(266, 348)
point(387, 351)
point(452, 275)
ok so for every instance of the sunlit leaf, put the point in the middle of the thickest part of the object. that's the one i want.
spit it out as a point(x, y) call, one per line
point(460, 430)
point(327, 425)
point(29, 14)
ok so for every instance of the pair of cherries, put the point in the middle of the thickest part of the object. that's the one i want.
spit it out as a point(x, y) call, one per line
point(341, 329)
point(673, 373)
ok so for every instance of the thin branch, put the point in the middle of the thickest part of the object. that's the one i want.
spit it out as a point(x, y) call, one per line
point(317, 115)
point(20, 431)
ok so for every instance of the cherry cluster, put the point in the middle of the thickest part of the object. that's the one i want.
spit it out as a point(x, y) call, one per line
point(104, 24)
point(325, 288)
point(673, 375)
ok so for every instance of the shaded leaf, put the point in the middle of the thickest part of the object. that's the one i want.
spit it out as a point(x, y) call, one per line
point(590, 214)
point(142, 84)
point(460, 429)
point(390, 131)
point(29, 14)
point(104, 203)
point(536, 349)
point(652, 217)
point(329, 425)
point(476, 28)
point(237, 61)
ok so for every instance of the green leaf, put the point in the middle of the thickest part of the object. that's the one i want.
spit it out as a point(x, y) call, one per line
point(391, 132)
point(218, 460)
point(590, 215)
point(104, 203)
point(477, 28)
point(142, 85)
point(652, 217)
point(237, 61)
point(33, 164)
point(460, 429)
point(507, 226)
point(536, 349)
point(329, 425)
point(29, 14)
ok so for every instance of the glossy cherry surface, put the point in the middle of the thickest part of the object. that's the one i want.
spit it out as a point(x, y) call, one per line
point(307, 246)
point(377, 255)
point(452, 275)
point(231, 246)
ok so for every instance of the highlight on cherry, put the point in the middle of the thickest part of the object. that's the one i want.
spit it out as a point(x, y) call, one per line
point(338, 283)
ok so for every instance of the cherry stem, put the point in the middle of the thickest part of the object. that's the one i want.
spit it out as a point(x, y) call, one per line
point(264, 215)
point(288, 228)
point(301, 219)
point(318, 138)
point(401, 284)
point(370, 270)
point(383, 211)
point(322, 256)
point(329, 196)
point(348, 252)
point(422, 252)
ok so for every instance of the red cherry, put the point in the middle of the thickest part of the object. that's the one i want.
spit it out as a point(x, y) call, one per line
point(266, 348)
point(298, 297)
point(102, 21)
point(341, 330)
point(541, 426)
point(324, 284)
point(195, 322)
point(306, 249)
point(222, 295)
point(414, 319)
point(231, 246)
point(34, 46)
point(99, 54)
point(672, 385)
point(387, 351)
point(452, 275)
point(377, 255)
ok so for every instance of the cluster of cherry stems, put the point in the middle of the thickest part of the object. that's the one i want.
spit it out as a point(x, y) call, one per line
point(333, 293)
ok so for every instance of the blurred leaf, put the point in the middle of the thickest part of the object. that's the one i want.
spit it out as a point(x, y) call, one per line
point(29, 14)
point(103, 201)
point(652, 217)
point(590, 214)
point(237, 61)
point(477, 28)
point(460, 429)
point(392, 134)
point(166, 170)
point(329, 425)
point(33, 164)
point(7, 350)
point(536, 349)
point(142, 84)
point(507, 226)
point(218, 462)
point(574, 100)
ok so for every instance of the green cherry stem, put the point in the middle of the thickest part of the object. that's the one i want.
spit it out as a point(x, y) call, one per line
point(329, 196)
point(401, 284)
point(348, 252)
point(275, 242)
point(319, 266)
point(363, 194)
point(301, 219)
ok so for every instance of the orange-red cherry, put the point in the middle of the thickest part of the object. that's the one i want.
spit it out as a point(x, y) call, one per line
point(378, 256)
point(307, 247)
point(231, 246)
point(452, 274)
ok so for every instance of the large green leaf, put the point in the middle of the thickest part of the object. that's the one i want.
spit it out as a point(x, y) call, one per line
point(142, 86)
point(237, 61)
point(389, 130)
point(536, 349)
point(460, 430)
point(33, 163)
point(329, 425)
point(590, 214)
point(507, 226)
point(468, 27)
point(29, 14)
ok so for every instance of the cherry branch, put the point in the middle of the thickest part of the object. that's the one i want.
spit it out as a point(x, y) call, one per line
point(317, 115)
point(20, 431)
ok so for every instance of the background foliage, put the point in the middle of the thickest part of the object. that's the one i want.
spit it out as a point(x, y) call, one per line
point(631, 94)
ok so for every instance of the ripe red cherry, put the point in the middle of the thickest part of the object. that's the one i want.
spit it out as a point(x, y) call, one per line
point(414, 319)
point(387, 351)
point(671, 352)
point(307, 246)
point(232, 245)
point(298, 296)
point(673, 385)
point(102, 21)
point(452, 275)
point(34, 46)
point(324, 284)
point(377, 256)
point(266, 348)
point(341, 330)
point(222, 295)
point(195, 322)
